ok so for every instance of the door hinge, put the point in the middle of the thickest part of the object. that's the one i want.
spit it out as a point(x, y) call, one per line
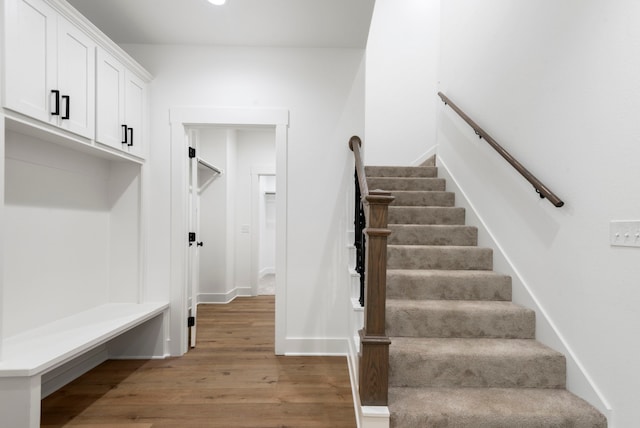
point(191, 321)
point(192, 153)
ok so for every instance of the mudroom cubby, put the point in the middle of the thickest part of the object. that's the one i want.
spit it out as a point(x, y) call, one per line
point(72, 232)
point(72, 289)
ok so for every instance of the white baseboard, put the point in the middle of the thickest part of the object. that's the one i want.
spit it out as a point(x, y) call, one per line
point(266, 271)
point(60, 376)
point(212, 298)
point(426, 155)
point(366, 416)
point(324, 346)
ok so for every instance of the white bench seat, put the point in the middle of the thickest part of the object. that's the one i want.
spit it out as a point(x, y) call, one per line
point(42, 349)
point(27, 356)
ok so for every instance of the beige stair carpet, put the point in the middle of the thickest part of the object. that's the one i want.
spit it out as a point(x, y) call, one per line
point(462, 354)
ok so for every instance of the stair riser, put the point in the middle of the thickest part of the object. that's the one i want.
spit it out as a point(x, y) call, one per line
point(490, 408)
point(432, 235)
point(391, 184)
point(464, 371)
point(400, 171)
point(442, 287)
point(496, 421)
point(460, 324)
point(424, 199)
point(426, 215)
point(447, 258)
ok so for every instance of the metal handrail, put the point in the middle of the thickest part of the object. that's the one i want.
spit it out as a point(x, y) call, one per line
point(540, 188)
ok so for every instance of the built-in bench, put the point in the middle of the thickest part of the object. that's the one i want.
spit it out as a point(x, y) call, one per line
point(28, 356)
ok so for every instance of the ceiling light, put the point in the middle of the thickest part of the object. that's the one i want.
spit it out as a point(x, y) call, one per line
point(218, 2)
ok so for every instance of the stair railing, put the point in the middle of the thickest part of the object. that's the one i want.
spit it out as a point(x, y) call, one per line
point(374, 342)
point(540, 188)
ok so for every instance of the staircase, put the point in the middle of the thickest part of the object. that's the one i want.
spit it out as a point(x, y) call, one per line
point(462, 354)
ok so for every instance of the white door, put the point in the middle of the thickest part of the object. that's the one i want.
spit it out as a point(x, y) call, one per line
point(195, 243)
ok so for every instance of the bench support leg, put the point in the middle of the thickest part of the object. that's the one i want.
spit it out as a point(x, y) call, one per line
point(20, 401)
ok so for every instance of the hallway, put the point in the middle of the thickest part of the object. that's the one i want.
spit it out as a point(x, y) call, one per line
point(232, 379)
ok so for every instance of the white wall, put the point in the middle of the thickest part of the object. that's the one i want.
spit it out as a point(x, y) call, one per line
point(212, 146)
point(401, 87)
point(323, 89)
point(557, 84)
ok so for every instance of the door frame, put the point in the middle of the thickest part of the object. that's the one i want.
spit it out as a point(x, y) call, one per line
point(256, 172)
point(180, 119)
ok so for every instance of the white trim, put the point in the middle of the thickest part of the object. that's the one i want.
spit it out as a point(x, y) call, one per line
point(426, 155)
point(583, 378)
point(2, 223)
point(266, 271)
point(256, 172)
point(366, 416)
point(323, 346)
point(223, 298)
point(181, 117)
point(60, 376)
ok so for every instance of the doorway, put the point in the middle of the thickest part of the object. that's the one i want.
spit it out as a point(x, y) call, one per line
point(183, 119)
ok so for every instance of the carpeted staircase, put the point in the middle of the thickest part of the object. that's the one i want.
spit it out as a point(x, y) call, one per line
point(462, 354)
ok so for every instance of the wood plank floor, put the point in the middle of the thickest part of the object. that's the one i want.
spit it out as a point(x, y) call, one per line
point(231, 379)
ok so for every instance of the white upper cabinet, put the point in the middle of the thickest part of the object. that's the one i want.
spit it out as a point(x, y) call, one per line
point(135, 100)
point(31, 57)
point(76, 79)
point(50, 67)
point(120, 102)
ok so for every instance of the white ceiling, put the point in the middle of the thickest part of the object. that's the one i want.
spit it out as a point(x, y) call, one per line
point(284, 23)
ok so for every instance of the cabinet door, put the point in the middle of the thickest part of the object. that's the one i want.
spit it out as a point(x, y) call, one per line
point(76, 79)
point(135, 98)
point(30, 57)
point(109, 101)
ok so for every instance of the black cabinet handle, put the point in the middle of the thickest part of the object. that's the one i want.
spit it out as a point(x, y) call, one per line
point(68, 99)
point(56, 110)
point(124, 135)
point(131, 137)
point(200, 244)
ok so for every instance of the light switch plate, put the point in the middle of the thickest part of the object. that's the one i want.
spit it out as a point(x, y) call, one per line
point(624, 233)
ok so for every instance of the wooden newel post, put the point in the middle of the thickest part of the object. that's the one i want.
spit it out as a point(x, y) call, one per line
point(374, 343)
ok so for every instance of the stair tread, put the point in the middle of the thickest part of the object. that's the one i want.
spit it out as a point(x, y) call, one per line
point(448, 273)
point(456, 257)
point(406, 183)
point(457, 362)
point(491, 408)
point(435, 284)
point(458, 305)
point(402, 171)
point(426, 215)
point(471, 346)
point(423, 198)
point(440, 247)
point(459, 318)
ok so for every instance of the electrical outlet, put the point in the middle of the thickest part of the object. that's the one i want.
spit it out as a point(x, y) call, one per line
point(624, 233)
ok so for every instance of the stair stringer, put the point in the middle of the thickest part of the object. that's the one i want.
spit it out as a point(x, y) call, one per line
point(579, 382)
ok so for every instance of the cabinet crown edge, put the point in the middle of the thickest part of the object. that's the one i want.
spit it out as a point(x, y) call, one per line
point(102, 40)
